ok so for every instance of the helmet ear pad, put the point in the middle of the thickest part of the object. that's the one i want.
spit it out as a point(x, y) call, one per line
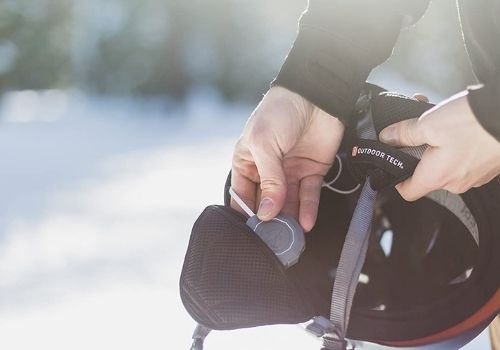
point(231, 279)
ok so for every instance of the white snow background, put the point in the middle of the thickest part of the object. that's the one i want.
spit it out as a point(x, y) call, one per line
point(97, 200)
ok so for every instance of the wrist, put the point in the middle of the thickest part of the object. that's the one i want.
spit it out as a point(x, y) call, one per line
point(298, 104)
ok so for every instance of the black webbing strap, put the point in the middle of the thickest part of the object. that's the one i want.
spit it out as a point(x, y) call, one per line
point(389, 108)
point(383, 165)
point(351, 261)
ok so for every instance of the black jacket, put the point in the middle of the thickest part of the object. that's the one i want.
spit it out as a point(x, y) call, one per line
point(341, 41)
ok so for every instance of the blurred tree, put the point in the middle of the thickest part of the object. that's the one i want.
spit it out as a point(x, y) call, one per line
point(169, 47)
point(34, 41)
point(145, 47)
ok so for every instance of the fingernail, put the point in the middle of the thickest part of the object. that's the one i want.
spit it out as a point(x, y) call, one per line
point(388, 135)
point(265, 207)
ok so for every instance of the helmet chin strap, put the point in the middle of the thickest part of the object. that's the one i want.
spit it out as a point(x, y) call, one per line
point(199, 335)
point(352, 258)
point(355, 246)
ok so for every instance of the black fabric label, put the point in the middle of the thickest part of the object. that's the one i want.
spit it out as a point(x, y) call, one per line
point(370, 154)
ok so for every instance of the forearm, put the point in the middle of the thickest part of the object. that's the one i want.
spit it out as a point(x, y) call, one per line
point(338, 44)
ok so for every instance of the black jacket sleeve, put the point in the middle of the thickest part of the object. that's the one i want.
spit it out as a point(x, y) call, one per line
point(339, 42)
point(484, 101)
point(481, 29)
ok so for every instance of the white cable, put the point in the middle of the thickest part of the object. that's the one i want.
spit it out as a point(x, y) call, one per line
point(338, 172)
point(240, 202)
point(334, 189)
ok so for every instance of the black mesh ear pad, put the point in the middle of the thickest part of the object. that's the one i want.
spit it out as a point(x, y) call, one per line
point(231, 279)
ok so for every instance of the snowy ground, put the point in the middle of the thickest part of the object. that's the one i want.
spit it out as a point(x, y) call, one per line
point(95, 213)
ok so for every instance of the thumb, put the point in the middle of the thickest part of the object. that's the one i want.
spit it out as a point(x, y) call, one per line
point(272, 183)
point(405, 133)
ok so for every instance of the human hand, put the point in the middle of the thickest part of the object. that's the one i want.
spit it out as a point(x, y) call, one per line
point(287, 147)
point(461, 154)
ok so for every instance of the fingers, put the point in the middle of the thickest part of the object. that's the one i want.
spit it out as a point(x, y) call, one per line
point(244, 177)
point(309, 195)
point(411, 133)
point(272, 182)
point(427, 177)
point(405, 133)
point(291, 206)
point(246, 190)
point(421, 97)
point(410, 189)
